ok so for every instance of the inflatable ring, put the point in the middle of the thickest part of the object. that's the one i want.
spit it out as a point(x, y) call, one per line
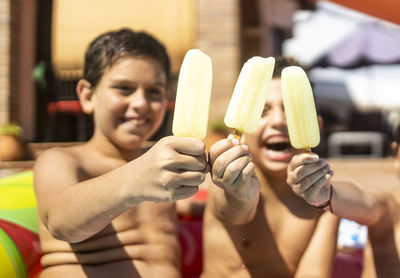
point(19, 242)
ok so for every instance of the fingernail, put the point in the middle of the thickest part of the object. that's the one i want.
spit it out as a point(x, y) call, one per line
point(329, 175)
point(245, 147)
point(230, 136)
point(235, 141)
point(314, 157)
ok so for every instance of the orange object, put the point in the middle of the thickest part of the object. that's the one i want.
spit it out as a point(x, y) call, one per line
point(383, 9)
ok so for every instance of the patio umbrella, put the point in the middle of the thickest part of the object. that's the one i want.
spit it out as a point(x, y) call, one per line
point(316, 32)
point(334, 35)
point(383, 9)
point(369, 44)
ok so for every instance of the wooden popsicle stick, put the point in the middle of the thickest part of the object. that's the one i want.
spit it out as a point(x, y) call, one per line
point(237, 135)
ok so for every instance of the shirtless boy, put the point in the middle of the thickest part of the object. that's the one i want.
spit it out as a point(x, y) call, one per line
point(273, 233)
point(367, 192)
point(105, 207)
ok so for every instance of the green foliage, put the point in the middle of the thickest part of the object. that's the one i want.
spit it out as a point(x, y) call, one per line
point(12, 129)
point(219, 126)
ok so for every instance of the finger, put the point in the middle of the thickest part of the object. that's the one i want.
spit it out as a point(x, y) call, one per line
point(302, 172)
point(246, 174)
point(227, 157)
point(188, 163)
point(184, 192)
point(301, 188)
point(187, 145)
point(319, 192)
point(249, 171)
point(220, 147)
point(314, 177)
point(301, 159)
point(186, 178)
point(234, 169)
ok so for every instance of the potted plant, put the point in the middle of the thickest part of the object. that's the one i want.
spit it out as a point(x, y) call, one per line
point(11, 145)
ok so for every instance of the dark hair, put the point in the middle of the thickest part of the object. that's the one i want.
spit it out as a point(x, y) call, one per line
point(282, 62)
point(105, 50)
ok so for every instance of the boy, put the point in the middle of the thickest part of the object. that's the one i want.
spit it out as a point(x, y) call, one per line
point(368, 194)
point(105, 206)
point(269, 234)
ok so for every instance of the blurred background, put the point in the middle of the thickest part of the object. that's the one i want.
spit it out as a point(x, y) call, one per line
point(351, 49)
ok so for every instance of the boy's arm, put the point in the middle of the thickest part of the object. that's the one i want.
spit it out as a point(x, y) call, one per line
point(309, 176)
point(73, 210)
point(234, 190)
point(319, 257)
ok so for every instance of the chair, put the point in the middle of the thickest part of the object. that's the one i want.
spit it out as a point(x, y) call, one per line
point(65, 120)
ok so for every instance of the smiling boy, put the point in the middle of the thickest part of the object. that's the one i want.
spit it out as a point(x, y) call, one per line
point(105, 207)
point(273, 233)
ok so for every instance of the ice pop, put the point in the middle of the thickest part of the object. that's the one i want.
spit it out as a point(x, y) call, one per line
point(301, 116)
point(193, 95)
point(248, 98)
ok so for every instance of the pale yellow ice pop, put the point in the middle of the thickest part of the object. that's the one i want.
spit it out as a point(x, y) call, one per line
point(249, 95)
point(301, 116)
point(193, 95)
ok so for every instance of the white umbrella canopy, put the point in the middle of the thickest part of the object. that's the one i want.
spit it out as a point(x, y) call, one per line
point(369, 44)
point(339, 39)
point(337, 36)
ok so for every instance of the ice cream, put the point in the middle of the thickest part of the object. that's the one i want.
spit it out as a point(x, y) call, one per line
point(193, 95)
point(301, 116)
point(249, 95)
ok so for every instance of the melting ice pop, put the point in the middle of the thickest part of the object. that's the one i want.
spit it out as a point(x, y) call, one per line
point(248, 98)
point(301, 116)
point(193, 95)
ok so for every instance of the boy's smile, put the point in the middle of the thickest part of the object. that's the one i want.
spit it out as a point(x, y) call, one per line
point(130, 101)
point(134, 121)
point(270, 145)
point(277, 147)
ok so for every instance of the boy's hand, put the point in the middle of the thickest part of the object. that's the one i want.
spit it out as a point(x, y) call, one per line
point(309, 177)
point(233, 171)
point(171, 170)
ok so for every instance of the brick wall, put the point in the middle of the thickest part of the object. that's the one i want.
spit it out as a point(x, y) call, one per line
point(218, 34)
point(15, 60)
point(9, 59)
point(5, 17)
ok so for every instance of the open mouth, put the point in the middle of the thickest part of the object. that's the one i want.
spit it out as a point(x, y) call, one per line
point(278, 148)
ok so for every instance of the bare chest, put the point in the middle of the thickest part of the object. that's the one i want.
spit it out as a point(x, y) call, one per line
point(149, 221)
point(146, 224)
point(273, 242)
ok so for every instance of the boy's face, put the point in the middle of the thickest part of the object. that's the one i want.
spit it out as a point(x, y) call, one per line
point(269, 145)
point(130, 101)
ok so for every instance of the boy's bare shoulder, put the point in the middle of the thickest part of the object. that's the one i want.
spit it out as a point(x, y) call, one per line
point(61, 155)
point(60, 161)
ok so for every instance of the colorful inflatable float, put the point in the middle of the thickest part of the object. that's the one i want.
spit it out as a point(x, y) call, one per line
point(19, 242)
